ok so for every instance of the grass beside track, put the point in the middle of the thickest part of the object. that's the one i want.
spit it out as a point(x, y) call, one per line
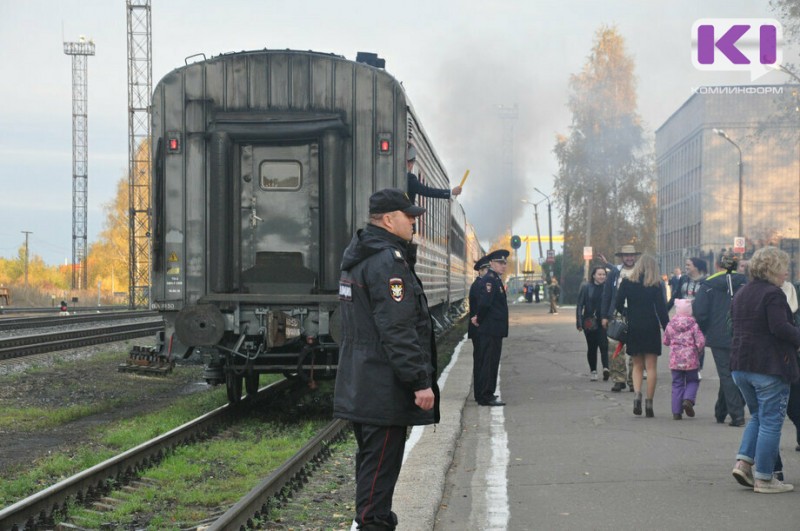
point(194, 480)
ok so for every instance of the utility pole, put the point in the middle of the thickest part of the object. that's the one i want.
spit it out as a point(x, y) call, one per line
point(26, 233)
point(140, 88)
point(80, 51)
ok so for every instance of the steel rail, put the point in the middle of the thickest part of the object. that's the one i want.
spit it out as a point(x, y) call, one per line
point(25, 345)
point(13, 323)
point(291, 475)
point(40, 508)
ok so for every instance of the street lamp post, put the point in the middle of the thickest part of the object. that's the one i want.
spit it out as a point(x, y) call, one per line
point(549, 223)
point(720, 132)
point(536, 220)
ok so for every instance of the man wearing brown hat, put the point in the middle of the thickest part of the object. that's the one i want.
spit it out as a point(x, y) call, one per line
point(628, 255)
point(386, 378)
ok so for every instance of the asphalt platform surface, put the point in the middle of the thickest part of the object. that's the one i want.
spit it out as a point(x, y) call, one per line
point(566, 453)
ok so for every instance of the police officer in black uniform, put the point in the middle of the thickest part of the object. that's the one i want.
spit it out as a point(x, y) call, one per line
point(481, 266)
point(386, 378)
point(491, 321)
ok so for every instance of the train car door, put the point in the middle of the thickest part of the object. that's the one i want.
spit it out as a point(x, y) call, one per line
point(279, 217)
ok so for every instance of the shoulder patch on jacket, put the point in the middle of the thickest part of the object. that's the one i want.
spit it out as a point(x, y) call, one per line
point(396, 288)
point(345, 291)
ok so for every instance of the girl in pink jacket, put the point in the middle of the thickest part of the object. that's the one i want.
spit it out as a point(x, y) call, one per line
point(686, 342)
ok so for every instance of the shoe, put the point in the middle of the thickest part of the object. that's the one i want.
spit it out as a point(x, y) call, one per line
point(797, 448)
point(736, 423)
point(630, 387)
point(772, 486)
point(606, 375)
point(778, 474)
point(699, 376)
point(743, 473)
point(648, 408)
point(721, 420)
point(688, 407)
point(644, 375)
point(637, 404)
point(593, 377)
point(677, 416)
point(619, 386)
point(493, 402)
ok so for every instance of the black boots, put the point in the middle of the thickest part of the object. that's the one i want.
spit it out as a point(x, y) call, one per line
point(648, 407)
point(637, 404)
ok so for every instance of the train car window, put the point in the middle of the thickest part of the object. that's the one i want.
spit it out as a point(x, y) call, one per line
point(280, 175)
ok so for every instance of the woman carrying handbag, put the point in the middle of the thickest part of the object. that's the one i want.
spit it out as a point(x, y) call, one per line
point(642, 295)
point(587, 314)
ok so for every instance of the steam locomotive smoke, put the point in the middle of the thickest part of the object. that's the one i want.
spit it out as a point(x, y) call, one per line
point(470, 89)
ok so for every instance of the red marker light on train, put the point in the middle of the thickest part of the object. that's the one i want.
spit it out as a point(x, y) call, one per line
point(173, 142)
point(385, 146)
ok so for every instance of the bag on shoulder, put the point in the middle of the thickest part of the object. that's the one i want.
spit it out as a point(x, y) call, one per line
point(618, 329)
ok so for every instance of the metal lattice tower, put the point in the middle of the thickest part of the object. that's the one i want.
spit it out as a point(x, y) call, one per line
point(80, 51)
point(140, 88)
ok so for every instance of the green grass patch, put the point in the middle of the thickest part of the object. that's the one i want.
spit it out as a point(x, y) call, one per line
point(194, 480)
point(106, 442)
point(39, 418)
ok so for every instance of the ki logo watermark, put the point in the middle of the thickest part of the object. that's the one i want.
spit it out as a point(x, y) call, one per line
point(737, 44)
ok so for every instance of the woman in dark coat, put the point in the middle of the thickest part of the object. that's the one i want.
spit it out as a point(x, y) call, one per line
point(588, 312)
point(763, 365)
point(641, 299)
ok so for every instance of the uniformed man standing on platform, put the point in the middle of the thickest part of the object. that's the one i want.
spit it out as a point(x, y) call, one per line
point(491, 322)
point(481, 266)
point(386, 378)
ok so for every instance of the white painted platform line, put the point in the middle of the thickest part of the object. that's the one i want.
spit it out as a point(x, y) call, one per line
point(497, 512)
point(416, 431)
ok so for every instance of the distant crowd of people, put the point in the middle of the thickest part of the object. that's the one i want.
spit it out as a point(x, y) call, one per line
point(386, 379)
point(750, 323)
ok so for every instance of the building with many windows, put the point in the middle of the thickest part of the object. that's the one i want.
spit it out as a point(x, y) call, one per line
point(698, 157)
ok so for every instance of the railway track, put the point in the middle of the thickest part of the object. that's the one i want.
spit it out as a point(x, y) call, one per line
point(18, 346)
point(40, 509)
point(16, 323)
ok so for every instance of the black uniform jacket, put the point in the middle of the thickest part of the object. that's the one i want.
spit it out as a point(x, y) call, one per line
point(415, 187)
point(473, 306)
point(387, 350)
point(492, 306)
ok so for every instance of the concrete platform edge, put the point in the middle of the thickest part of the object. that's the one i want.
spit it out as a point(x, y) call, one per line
point(420, 488)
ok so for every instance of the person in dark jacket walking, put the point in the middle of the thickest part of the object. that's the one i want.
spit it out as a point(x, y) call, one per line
point(491, 322)
point(711, 307)
point(481, 266)
point(763, 365)
point(588, 317)
point(386, 378)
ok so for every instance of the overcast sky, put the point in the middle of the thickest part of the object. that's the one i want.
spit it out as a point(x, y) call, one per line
point(458, 60)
